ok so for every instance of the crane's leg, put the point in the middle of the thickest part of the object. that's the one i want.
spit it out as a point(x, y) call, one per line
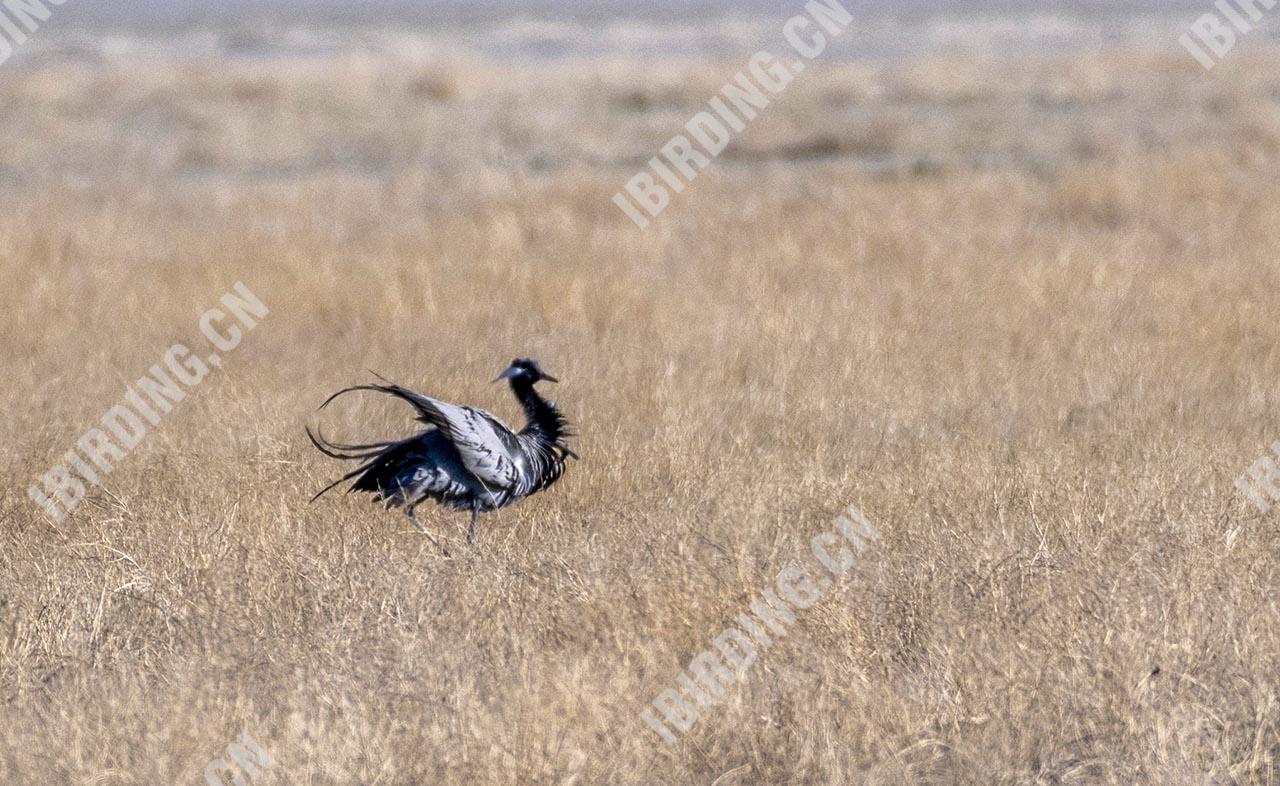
point(471, 531)
point(423, 529)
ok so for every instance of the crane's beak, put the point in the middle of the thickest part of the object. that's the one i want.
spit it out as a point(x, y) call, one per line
point(513, 371)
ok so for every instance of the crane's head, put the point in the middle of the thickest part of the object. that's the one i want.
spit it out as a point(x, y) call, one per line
point(525, 370)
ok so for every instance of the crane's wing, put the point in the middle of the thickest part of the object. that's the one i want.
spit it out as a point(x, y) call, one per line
point(485, 443)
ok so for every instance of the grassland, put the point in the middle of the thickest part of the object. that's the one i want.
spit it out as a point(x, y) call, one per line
point(1023, 315)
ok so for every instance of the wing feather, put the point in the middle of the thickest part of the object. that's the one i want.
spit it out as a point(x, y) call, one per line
point(484, 442)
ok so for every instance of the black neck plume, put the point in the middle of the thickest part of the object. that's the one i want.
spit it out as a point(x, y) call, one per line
point(543, 419)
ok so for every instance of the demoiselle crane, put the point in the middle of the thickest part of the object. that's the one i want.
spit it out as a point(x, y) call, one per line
point(467, 459)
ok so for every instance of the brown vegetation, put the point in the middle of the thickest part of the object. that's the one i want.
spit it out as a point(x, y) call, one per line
point(1037, 363)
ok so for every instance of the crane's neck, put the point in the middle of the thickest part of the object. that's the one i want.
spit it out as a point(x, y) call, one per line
point(541, 416)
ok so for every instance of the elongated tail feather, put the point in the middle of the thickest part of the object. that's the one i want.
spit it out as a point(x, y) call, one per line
point(344, 453)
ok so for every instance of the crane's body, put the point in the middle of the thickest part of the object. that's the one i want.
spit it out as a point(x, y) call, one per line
point(467, 459)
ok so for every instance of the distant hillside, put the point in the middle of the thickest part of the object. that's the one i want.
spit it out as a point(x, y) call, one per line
point(169, 12)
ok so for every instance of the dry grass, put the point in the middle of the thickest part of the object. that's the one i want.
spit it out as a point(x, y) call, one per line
point(1037, 363)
